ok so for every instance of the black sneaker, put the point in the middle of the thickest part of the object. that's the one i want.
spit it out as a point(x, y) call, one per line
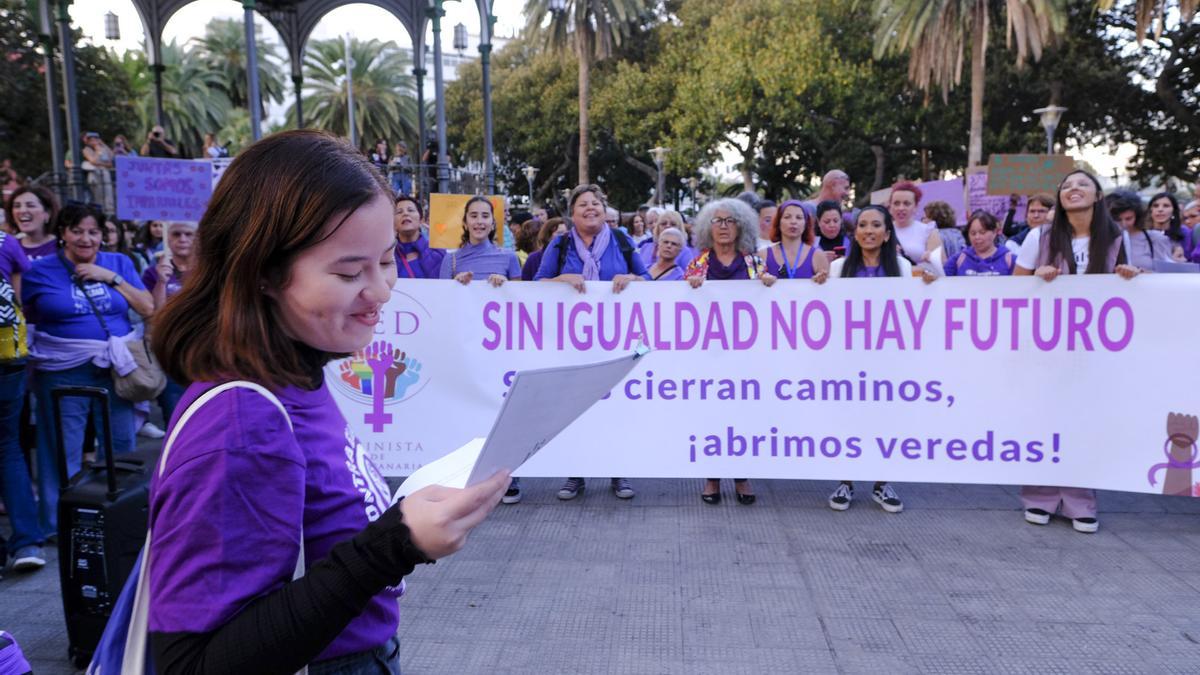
point(513, 495)
point(841, 497)
point(887, 498)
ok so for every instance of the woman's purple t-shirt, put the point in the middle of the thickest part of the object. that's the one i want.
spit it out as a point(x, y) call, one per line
point(47, 248)
point(226, 513)
point(12, 257)
point(150, 279)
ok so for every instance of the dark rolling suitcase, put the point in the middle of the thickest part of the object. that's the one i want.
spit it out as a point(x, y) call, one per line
point(102, 520)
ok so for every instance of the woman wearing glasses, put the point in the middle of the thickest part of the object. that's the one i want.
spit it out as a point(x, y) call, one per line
point(726, 236)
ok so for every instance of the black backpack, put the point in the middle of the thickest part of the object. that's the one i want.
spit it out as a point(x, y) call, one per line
point(623, 242)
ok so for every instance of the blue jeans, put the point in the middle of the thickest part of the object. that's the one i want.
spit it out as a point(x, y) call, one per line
point(383, 660)
point(168, 399)
point(15, 486)
point(401, 184)
point(74, 418)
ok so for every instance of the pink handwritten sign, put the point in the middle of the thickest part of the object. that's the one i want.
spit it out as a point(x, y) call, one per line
point(162, 189)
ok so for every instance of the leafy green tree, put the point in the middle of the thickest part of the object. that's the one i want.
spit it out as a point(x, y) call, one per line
point(194, 99)
point(591, 29)
point(385, 104)
point(104, 94)
point(934, 32)
point(223, 49)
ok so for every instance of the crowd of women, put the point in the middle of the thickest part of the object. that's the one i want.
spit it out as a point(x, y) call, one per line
point(1079, 230)
point(87, 284)
point(75, 288)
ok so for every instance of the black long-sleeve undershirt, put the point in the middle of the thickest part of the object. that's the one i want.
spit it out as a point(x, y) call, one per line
point(284, 630)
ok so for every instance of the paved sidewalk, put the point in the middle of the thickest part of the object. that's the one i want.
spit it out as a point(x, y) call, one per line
point(663, 583)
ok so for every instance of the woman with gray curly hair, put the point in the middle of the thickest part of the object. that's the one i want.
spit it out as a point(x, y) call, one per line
point(726, 235)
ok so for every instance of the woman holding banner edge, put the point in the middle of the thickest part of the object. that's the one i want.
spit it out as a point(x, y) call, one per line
point(478, 253)
point(590, 250)
point(726, 236)
point(267, 472)
point(1081, 239)
point(874, 252)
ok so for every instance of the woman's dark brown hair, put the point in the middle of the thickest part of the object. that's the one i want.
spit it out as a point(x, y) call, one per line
point(547, 230)
point(466, 234)
point(279, 197)
point(46, 197)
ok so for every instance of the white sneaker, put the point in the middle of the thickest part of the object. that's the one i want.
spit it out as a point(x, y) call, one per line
point(150, 431)
point(1085, 525)
point(28, 558)
point(841, 497)
point(1037, 516)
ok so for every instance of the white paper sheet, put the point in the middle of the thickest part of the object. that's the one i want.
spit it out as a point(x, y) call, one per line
point(539, 405)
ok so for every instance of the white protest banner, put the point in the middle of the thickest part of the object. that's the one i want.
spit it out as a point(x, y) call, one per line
point(1004, 381)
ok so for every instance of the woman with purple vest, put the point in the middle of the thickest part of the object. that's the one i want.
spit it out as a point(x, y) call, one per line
point(982, 258)
point(1082, 239)
point(793, 254)
point(414, 258)
point(294, 264)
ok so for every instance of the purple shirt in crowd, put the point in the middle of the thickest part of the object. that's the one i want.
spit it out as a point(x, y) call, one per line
point(426, 265)
point(803, 271)
point(226, 513)
point(865, 272)
point(530, 268)
point(482, 259)
point(150, 278)
point(42, 250)
point(673, 274)
point(58, 307)
point(12, 257)
point(649, 252)
point(968, 263)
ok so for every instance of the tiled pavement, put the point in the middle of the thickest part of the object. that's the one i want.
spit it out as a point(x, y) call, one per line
point(663, 583)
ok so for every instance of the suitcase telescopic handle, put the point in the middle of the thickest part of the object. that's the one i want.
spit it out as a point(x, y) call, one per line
point(100, 394)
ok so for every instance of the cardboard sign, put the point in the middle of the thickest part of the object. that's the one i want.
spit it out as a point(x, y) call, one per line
point(446, 219)
point(1026, 174)
point(162, 189)
point(997, 205)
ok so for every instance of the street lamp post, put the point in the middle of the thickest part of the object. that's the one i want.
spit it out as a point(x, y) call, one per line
point(1050, 115)
point(530, 172)
point(693, 183)
point(660, 156)
point(350, 93)
point(436, 12)
point(253, 97)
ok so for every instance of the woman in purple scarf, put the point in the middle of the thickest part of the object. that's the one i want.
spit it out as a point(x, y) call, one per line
point(590, 251)
point(414, 258)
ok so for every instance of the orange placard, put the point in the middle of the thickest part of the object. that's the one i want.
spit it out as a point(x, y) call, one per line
point(446, 219)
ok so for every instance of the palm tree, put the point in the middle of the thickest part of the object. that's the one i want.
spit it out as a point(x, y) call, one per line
point(933, 33)
point(223, 48)
point(194, 101)
point(1154, 12)
point(592, 28)
point(385, 101)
